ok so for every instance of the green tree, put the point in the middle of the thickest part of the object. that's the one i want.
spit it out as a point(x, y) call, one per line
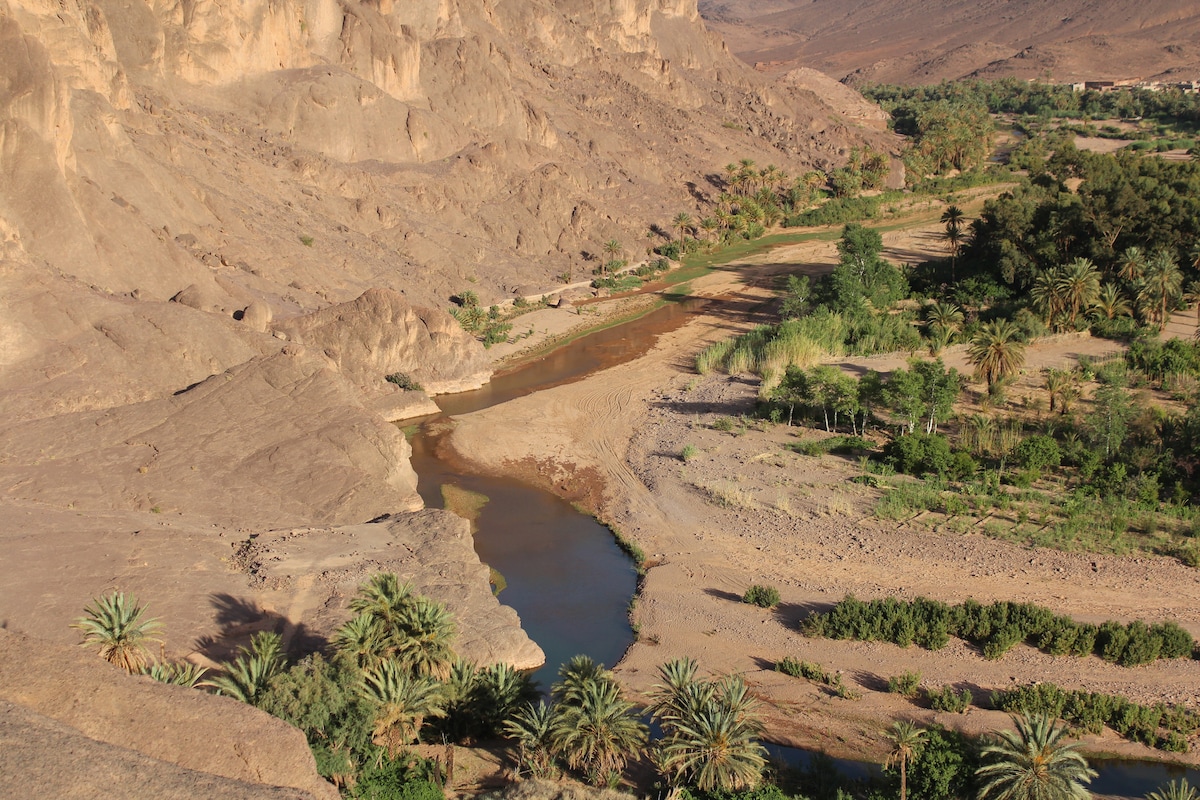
point(954, 234)
point(1108, 424)
point(925, 391)
point(1079, 286)
point(249, 676)
point(1033, 763)
point(710, 730)
point(997, 351)
point(394, 623)
point(115, 626)
point(796, 301)
point(401, 703)
point(1161, 286)
point(533, 728)
point(906, 740)
point(424, 638)
point(1111, 303)
point(683, 224)
point(1131, 265)
point(1174, 790)
point(597, 731)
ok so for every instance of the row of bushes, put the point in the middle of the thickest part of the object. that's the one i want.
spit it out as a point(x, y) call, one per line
point(996, 628)
point(1161, 726)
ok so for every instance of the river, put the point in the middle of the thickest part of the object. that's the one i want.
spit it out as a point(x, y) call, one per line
point(565, 575)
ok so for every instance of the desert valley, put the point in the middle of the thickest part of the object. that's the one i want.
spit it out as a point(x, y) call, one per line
point(864, 350)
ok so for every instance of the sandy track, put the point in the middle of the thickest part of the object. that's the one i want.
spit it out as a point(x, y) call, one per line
point(747, 510)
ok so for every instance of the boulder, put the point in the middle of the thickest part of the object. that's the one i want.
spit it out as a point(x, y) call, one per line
point(381, 333)
point(108, 729)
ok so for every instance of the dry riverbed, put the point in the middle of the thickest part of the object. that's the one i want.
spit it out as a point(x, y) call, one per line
point(746, 510)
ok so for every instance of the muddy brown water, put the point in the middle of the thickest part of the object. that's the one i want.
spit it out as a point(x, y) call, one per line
point(564, 574)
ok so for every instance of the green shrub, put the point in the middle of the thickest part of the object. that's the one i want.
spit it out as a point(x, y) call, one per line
point(1158, 726)
point(905, 684)
point(996, 628)
point(761, 596)
point(803, 669)
point(1038, 453)
point(948, 700)
point(404, 381)
point(688, 452)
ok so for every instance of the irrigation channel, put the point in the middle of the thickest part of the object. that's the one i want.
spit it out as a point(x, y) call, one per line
point(562, 570)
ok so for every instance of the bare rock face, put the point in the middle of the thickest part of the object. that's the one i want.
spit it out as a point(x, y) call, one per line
point(282, 158)
point(283, 438)
point(106, 728)
point(432, 549)
point(380, 333)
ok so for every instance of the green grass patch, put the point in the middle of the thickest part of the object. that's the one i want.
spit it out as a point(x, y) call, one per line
point(464, 503)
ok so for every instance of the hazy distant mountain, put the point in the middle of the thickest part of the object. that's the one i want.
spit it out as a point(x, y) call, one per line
point(911, 41)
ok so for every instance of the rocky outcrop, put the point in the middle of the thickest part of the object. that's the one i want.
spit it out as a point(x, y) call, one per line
point(72, 725)
point(279, 439)
point(380, 334)
point(431, 549)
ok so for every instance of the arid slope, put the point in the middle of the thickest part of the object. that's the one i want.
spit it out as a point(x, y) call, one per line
point(902, 41)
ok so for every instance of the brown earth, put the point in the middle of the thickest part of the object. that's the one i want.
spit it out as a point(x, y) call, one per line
point(746, 510)
point(147, 738)
point(223, 225)
point(909, 42)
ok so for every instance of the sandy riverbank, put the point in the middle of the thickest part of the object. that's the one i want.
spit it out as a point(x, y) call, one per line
point(746, 510)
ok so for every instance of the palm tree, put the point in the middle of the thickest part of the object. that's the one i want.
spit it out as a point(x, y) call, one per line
point(533, 728)
point(114, 624)
point(402, 702)
point(731, 173)
point(906, 739)
point(1161, 286)
point(944, 315)
point(599, 731)
point(1131, 265)
point(574, 675)
point(1046, 295)
point(709, 225)
point(1057, 381)
point(249, 677)
point(365, 638)
point(997, 351)
point(711, 731)
point(177, 673)
point(683, 224)
point(1032, 763)
point(1175, 790)
point(952, 218)
point(425, 633)
point(1111, 303)
point(383, 597)
point(1078, 285)
point(612, 249)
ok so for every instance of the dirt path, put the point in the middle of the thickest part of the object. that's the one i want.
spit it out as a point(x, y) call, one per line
point(747, 510)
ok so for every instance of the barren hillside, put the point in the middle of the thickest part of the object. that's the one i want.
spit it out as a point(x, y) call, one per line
point(901, 41)
point(223, 224)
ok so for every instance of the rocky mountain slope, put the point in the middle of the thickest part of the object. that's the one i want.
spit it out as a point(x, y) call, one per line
point(223, 224)
point(902, 41)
